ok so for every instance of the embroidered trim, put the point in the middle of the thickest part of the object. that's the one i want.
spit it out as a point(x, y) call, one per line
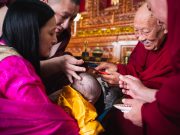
point(6, 51)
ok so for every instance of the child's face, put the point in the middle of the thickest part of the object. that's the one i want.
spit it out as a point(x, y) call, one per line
point(92, 98)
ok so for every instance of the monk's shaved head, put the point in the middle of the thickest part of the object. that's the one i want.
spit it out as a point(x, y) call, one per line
point(145, 15)
point(148, 29)
point(88, 86)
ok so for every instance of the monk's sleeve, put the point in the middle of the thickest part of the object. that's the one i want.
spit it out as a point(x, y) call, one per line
point(128, 69)
point(162, 117)
point(136, 62)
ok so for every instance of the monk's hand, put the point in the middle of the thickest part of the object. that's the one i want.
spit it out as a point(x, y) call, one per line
point(112, 78)
point(105, 66)
point(132, 86)
point(134, 115)
point(70, 65)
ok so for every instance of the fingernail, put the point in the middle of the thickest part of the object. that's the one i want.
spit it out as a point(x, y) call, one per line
point(123, 100)
point(79, 78)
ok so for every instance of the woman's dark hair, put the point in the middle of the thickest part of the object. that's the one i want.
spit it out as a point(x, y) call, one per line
point(22, 25)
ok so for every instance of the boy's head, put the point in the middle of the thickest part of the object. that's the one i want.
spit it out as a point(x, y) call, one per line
point(88, 86)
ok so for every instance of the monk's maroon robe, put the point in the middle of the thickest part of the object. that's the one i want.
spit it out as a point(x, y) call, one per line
point(153, 68)
point(162, 117)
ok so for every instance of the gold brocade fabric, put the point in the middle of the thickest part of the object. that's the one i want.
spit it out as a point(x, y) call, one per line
point(6, 51)
point(83, 111)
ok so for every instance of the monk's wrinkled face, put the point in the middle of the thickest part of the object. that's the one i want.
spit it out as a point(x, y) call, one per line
point(159, 9)
point(148, 32)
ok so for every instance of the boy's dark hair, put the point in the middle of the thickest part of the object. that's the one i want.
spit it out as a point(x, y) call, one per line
point(22, 25)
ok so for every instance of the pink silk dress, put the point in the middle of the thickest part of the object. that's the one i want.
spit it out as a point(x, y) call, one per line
point(24, 105)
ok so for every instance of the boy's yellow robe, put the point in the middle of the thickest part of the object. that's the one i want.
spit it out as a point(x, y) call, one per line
point(83, 111)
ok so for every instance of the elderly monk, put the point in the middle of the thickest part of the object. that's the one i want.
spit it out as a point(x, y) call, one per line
point(161, 117)
point(149, 61)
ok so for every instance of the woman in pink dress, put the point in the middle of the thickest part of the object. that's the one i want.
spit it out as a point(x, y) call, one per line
point(28, 35)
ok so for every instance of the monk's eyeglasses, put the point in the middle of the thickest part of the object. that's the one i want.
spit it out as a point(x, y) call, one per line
point(144, 32)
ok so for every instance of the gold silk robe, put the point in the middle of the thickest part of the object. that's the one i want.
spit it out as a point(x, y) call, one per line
point(79, 108)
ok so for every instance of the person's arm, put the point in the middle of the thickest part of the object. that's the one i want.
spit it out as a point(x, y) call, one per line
point(136, 63)
point(107, 67)
point(3, 11)
point(162, 116)
point(66, 63)
point(133, 86)
point(134, 115)
point(113, 76)
point(149, 94)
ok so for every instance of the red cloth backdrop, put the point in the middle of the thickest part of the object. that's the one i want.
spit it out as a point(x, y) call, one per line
point(108, 3)
point(102, 4)
point(82, 5)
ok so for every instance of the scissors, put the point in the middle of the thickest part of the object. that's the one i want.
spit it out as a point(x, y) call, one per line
point(99, 71)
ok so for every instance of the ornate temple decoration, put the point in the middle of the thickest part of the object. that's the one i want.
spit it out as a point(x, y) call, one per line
point(114, 2)
point(106, 23)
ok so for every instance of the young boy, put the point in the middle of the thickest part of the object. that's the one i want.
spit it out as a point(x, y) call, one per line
point(78, 100)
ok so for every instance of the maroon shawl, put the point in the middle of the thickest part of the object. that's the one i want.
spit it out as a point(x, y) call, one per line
point(162, 117)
